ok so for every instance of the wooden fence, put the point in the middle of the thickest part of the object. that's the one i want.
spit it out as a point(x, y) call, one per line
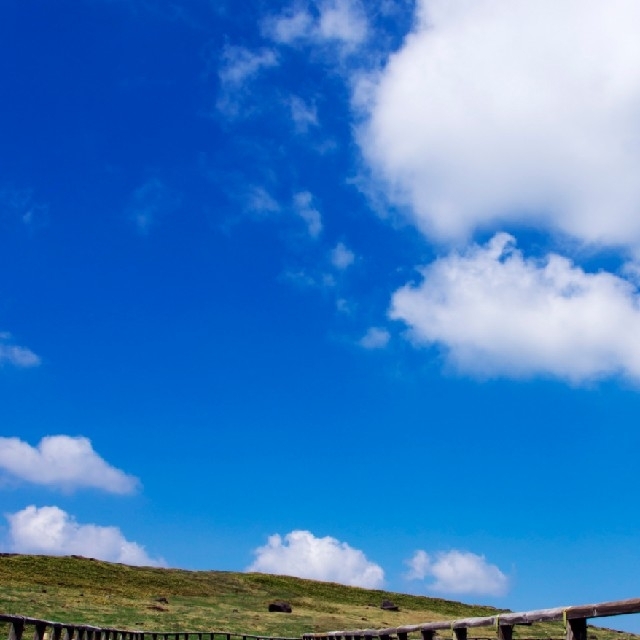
point(68, 631)
point(574, 618)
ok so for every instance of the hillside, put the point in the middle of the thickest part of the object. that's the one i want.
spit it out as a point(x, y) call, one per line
point(74, 589)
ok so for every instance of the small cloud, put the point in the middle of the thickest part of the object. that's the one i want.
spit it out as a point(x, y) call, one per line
point(304, 555)
point(302, 114)
point(343, 21)
point(344, 306)
point(291, 25)
point(341, 256)
point(16, 355)
point(238, 67)
point(149, 203)
point(240, 64)
point(375, 338)
point(306, 279)
point(458, 572)
point(52, 531)
point(303, 205)
point(21, 205)
point(63, 462)
point(259, 201)
point(336, 22)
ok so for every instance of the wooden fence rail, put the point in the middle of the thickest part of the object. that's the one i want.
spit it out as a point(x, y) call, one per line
point(68, 631)
point(575, 619)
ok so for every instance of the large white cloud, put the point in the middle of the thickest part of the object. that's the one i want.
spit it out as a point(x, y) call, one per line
point(65, 462)
point(304, 555)
point(496, 312)
point(52, 531)
point(497, 111)
point(458, 572)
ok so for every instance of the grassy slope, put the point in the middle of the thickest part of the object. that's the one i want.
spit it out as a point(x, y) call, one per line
point(72, 589)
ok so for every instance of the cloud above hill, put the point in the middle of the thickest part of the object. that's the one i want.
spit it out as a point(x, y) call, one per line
point(302, 554)
point(52, 531)
point(63, 462)
point(458, 572)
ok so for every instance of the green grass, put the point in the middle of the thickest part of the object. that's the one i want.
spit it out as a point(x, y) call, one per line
point(84, 591)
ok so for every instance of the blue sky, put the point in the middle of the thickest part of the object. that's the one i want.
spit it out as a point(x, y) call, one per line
point(327, 288)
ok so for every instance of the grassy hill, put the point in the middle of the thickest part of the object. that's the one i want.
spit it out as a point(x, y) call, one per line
point(80, 590)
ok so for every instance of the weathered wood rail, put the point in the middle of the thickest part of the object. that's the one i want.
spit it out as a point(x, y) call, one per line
point(68, 631)
point(575, 620)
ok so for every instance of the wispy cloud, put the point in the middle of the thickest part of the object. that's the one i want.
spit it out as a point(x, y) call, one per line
point(258, 201)
point(239, 66)
point(15, 355)
point(52, 531)
point(62, 462)
point(22, 206)
point(375, 338)
point(340, 23)
point(303, 115)
point(459, 572)
point(497, 313)
point(302, 554)
point(342, 257)
point(304, 207)
point(149, 203)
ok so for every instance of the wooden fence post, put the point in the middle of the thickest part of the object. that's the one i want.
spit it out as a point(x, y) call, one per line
point(16, 629)
point(427, 634)
point(40, 630)
point(505, 632)
point(460, 634)
point(577, 629)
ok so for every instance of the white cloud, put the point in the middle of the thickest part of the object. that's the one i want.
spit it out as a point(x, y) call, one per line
point(495, 112)
point(293, 24)
point(458, 572)
point(497, 313)
point(64, 462)
point(303, 205)
point(302, 114)
point(259, 201)
point(339, 22)
point(240, 64)
point(375, 338)
point(16, 355)
point(419, 565)
point(303, 555)
point(341, 256)
point(52, 531)
point(238, 67)
point(343, 21)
